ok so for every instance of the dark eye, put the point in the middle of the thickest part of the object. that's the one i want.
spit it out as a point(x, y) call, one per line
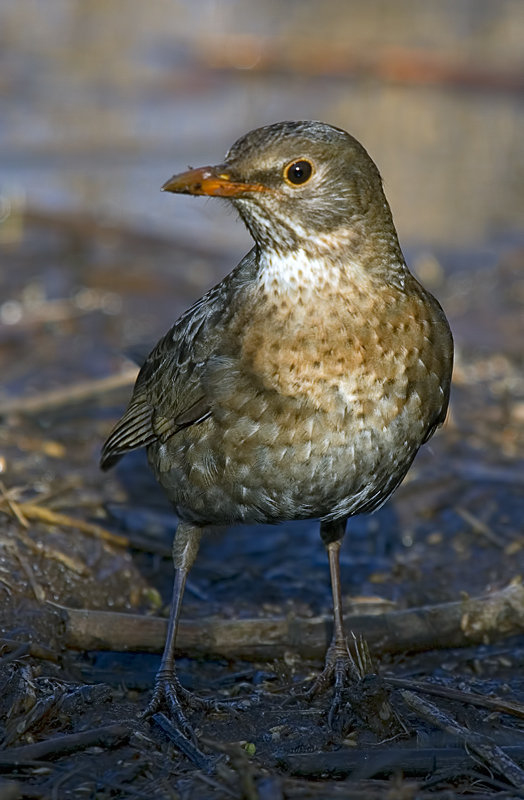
point(298, 172)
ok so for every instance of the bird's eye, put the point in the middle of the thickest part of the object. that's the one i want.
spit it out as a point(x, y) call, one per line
point(298, 172)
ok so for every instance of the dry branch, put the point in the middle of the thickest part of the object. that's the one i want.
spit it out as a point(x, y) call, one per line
point(185, 745)
point(483, 746)
point(108, 736)
point(494, 704)
point(362, 764)
point(460, 624)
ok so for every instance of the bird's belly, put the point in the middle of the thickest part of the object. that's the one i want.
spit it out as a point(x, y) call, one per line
point(288, 462)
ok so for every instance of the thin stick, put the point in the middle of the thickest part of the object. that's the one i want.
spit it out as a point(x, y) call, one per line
point(42, 514)
point(38, 591)
point(13, 506)
point(67, 395)
point(74, 564)
point(491, 703)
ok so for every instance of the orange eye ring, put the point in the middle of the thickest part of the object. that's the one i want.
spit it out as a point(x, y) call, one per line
point(298, 172)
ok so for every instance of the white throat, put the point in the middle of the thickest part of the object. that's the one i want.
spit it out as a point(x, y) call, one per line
point(299, 271)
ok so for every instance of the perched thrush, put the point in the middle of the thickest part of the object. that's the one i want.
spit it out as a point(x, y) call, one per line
point(305, 382)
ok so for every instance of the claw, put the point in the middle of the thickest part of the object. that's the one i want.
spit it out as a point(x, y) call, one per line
point(171, 695)
point(341, 670)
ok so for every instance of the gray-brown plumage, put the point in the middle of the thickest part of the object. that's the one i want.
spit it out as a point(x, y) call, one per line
point(305, 382)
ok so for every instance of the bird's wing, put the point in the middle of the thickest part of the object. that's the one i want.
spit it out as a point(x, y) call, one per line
point(167, 397)
point(168, 394)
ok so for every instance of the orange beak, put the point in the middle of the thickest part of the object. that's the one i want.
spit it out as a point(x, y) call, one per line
point(212, 181)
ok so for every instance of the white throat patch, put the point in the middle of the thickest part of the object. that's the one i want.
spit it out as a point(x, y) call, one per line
point(298, 270)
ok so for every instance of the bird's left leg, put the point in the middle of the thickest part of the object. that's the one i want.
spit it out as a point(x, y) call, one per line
point(340, 667)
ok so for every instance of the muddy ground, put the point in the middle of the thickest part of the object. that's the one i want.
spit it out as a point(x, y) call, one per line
point(75, 298)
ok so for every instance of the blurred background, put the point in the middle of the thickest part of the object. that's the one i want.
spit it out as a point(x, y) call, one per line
point(100, 102)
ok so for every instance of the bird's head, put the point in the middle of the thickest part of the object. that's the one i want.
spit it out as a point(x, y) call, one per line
point(297, 184)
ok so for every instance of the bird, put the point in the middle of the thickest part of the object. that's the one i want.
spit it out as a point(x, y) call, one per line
point(303, 384)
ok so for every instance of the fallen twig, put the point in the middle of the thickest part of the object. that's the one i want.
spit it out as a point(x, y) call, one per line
point(15, 654)
point(494, 704)
point(30, 649)
point(482, 745)
point(459, 624)
point(16, 727)
point(67, 395)
point(375, 762)
point(60, 704)
point(38, 591)
point(9, 499)
point(39, 513)
point(182, 742)
point(70, 562)
point(107, 736)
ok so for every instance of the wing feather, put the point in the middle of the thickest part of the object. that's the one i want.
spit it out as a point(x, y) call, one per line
point(168, 394)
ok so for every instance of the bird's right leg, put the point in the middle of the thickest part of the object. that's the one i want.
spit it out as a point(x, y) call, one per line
point(168, 690)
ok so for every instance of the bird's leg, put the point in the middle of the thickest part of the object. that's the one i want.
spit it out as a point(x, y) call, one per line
point(339, 666)
point(168, 689)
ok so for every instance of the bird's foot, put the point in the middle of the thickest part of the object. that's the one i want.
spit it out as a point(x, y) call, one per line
point(170, 695)
point(340, 670)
